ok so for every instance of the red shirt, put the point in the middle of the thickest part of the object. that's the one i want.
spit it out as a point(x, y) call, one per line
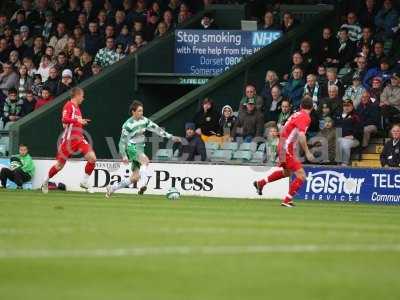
point(43, 101)
point(73, 128)
point(297, 123)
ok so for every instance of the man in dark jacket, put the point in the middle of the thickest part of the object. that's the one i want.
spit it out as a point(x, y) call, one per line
point(249, 124)
point(390, 156)
point(53, 80)
point(93, 39)
point(29, 103)
point(192, 145)
point(207, 120)
point(370, 117)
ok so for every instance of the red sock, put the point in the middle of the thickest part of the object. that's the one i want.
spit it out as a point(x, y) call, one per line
point(53, 171)
point(89, 168)
point(295, 185)
point(276, 175)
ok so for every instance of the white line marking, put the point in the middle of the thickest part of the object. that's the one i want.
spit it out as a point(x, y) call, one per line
point(195, 250)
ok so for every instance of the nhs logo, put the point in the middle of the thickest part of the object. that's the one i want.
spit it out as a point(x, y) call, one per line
point(332, 185)
point(264, 38)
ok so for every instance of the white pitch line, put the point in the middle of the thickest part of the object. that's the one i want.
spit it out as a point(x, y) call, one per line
point(194, 250)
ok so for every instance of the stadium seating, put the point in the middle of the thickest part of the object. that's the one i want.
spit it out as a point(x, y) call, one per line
point(164, 154)
point(244, 156)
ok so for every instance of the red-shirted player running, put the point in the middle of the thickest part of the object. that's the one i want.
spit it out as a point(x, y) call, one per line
point(73, 140)
point(294, 129)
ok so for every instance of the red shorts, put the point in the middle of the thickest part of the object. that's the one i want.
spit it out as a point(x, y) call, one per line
point(289, 161)
point(71, 147)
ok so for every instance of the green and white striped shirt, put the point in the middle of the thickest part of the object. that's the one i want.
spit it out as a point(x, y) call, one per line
point(133, 133)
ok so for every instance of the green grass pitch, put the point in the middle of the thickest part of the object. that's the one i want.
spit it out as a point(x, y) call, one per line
point(80, 246)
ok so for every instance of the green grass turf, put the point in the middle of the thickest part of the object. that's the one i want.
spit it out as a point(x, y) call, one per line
point(64, 246)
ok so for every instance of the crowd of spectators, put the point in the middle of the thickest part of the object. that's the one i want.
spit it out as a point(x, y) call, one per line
point(48, 46)
point(352, 74)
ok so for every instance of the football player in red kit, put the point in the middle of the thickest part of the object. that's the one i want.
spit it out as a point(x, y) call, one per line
point(73, 140)
point(294, 130)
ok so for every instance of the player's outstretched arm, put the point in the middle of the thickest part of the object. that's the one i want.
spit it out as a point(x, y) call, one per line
point(153, 127)
point(304, 146)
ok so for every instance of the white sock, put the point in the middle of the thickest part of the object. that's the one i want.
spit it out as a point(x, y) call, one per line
point(85, 178)
point(143, 172)
point(46, 179)
point(125, 182)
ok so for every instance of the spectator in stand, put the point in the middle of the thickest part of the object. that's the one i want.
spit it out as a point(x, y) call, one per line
point(321, 77)
point(44, 67)
point(382, 71)
point(37, 85)
point(18, 45)
point(93, 39)
point(14, 59)
point(309, 62)
point(331, 75)
point(328, 47)
point(288, 22)
point(226, 121)
point(251, 93)
point(25, 82)
point(207, 22)
point(349, 122)
point(4, 50)
point(46, 98)
point(8, 80)
point(271, 145)
point(65, 83)
point(313, 90)
point(12, 108)
point(37, 50)
point(139, 40)
point(48, 26)
point(25, 36)
point(62, 62)
point(193, 145)
point(377, 55)
point(250, 123)
point(376, 90)
point(346, 51)
point(96, 69)
point(28, 63)
point(28, 103)
point(333, 100)
point(370, 117)
point(385, 20)
point(366, 39)
point(107, 56)
point(355, 91)
point(271, 80)
point(353, 27)
point(323, 112)
point(390, 156)
point(360, 71)
point(293, 90)
point(21, 169)
point(83, 70)
point(269, 22)
point(328, 135)
point(161, 30)
point(89, 10)
point(390, 100)
point(207, 120)
point(52, 81)
point(273, 105)
point(284, 115)
point(124, 37)
point(367, 14)
point(297, 61)
point(59, 39)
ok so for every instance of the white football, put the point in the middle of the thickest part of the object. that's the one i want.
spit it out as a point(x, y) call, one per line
point(173, 194)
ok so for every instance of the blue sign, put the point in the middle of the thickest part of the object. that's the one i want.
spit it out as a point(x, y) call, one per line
point(378, 186)
point(211, 52)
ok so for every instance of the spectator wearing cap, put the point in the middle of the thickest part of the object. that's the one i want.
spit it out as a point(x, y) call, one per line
point(28, 103)
point(226, 121)
point(48, 26)
point(353, 27)
point(293, 90)
point(107, 56)
point(12, 108)
point(45, 98)
point(370, 117)
point(66, 82)
point(208, 22)
point(251, 93)
point(93, 39)
point(312, 89)
point(382, 71)
point(349, 122)
point(355, 91)
point(390, 100)
point(60, 38)
point(192, 145)
point(207, 120)
point(8, 79)
point(386, 19)
point(44, 67)
point(250, 123)
point(390, 156)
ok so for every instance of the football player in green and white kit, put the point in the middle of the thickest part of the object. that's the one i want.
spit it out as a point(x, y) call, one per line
point(131, 147)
